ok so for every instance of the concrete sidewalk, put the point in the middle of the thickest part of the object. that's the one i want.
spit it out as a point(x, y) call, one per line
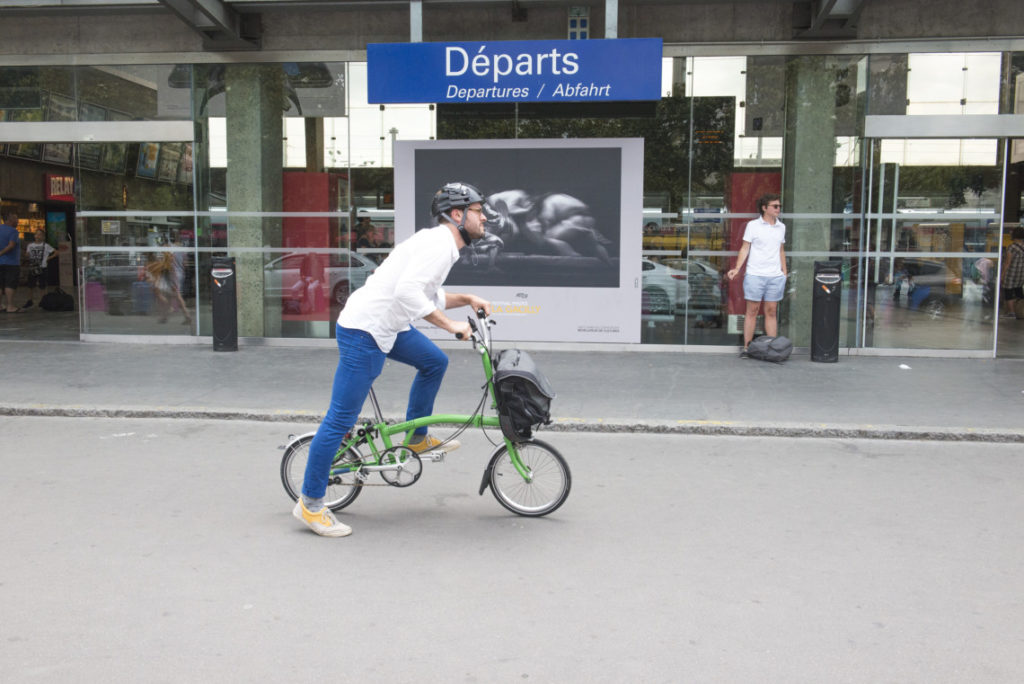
point(648, 391)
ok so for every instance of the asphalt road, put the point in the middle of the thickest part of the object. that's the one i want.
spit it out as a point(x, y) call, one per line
point(164, 551)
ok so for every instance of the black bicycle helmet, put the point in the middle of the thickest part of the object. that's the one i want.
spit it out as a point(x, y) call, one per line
point(455, 195)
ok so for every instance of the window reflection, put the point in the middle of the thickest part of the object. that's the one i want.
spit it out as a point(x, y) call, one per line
point(139, 276)
point(715, 140)
point(937, 238)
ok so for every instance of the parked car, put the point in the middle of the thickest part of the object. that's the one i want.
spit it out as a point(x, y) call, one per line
point(678, 286)
point(665, 289)
point(932, 286)
point(705, 286)
point(306, 281)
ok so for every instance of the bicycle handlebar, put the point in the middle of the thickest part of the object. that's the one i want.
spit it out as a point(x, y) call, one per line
point(475, 334)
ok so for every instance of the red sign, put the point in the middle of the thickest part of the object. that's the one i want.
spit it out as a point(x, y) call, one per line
point(59, 188)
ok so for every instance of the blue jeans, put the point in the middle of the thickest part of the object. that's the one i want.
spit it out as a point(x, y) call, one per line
point(360, 361)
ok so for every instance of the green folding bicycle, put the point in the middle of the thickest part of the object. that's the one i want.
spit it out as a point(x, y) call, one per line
point(527, 476)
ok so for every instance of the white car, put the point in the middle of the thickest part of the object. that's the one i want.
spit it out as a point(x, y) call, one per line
point(665, 289)
point(706, 292)
point(307, 281)
point(679, 286)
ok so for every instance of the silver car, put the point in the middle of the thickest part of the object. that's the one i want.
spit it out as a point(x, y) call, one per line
point(665, 289)
point(307, 281)
point(677, 286)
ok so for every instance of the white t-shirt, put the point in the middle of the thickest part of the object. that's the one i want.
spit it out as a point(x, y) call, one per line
point(38, 254)
point(765, 241)
point(404, 288)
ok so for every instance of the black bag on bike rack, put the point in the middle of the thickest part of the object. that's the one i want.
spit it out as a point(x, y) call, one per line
point(523, 394)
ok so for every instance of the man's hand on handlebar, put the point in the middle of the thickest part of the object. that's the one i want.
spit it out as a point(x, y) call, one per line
point(481, 308)
point(477, 303)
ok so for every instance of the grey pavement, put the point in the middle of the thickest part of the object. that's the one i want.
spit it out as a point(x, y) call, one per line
point(646, 391)
point(166, 552)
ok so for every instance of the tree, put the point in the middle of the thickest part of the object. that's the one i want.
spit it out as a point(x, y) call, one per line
point(669, 150)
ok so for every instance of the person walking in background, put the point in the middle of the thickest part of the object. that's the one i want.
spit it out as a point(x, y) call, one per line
point(164, 274)
point(1013, 275)
point(39, 254)
point(765, 279)
point(365, 234)
point(986, 277)
point(366, 239)
point(10, 259)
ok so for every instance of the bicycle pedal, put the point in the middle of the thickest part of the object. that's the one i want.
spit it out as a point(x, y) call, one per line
point(432, 456)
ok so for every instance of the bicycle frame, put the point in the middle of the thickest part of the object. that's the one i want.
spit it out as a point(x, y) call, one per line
point(367, 434)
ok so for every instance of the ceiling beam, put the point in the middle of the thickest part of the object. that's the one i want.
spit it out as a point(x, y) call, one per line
point(828, 18)
point(221, 26)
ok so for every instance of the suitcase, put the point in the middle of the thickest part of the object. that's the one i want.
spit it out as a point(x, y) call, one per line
point(95, 297)
point(142, 297)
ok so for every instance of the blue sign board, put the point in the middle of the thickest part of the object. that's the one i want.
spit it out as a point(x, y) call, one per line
point(515, 71)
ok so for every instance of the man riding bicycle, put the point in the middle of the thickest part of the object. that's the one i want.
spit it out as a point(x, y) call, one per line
point(376, 324)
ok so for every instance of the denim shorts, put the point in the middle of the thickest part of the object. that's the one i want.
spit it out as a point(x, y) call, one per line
point(763, 288)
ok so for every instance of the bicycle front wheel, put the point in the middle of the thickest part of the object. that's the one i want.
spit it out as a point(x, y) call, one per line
point(546, 486)
point(341, 487)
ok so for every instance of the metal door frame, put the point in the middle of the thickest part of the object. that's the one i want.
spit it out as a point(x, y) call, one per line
point(77, 132)
point(999, 127)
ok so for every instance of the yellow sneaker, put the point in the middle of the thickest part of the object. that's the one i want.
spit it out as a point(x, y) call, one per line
point(322, 522)
point(419, 444)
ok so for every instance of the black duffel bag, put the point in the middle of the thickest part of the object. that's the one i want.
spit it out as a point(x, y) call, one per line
point(523, 394)
point(58, 300)
point(774, 349)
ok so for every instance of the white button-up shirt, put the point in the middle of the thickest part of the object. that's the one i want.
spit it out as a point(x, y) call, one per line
point(403, 289)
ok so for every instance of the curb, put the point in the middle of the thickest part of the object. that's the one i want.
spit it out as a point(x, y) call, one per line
point(814, 430)
point(680, 427)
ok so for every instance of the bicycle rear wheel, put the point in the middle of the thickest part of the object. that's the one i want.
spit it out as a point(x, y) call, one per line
point(544, 491)
point(341, 487)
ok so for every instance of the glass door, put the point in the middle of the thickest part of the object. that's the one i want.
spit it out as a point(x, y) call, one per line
point(932, 254)
point(137, 238)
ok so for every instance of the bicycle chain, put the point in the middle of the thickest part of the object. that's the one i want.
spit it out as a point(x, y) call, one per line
point(360, 484)
point(370, 432)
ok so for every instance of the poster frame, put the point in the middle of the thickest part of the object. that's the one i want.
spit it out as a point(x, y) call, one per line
point(60, 108)
point(149, 160)
point(115, 155)
point(90, 154)
point(549, 311)
point(167, 166)
point(31, 151)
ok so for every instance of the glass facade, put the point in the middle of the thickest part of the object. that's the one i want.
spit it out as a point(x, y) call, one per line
point(290, 171)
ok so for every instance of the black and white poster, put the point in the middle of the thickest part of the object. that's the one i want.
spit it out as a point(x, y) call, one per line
point(59, 108)
point(89, 154)
point(561, 256)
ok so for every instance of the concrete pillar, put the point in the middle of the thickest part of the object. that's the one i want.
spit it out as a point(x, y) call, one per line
point(808, 162)
point(611, 19)
point(255, 157)
point(415, 21)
